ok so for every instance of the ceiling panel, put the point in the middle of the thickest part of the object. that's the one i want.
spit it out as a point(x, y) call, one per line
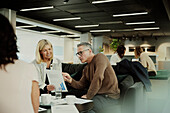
point(97, 13)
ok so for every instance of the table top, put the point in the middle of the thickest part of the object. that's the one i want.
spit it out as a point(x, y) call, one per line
point(81, 107)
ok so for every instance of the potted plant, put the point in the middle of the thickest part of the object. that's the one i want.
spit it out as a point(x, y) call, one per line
point(115, 43)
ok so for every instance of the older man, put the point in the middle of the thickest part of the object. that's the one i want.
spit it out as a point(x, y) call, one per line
point(99, 76)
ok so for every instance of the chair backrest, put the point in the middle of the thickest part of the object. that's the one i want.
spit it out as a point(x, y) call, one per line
point(134, 99)
point(124, 86)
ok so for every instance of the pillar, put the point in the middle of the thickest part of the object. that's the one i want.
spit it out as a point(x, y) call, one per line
point(11, 15)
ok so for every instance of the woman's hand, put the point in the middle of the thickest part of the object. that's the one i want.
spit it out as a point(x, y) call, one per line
point(50, 87)
point(67, 77)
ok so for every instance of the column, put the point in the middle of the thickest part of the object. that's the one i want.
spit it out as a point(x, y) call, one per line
point(97, 42)
point(86, 37)
point(68, 50)
point(11, 15)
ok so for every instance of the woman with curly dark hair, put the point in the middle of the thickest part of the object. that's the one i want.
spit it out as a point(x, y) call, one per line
point(118, 55)
point(18, 79)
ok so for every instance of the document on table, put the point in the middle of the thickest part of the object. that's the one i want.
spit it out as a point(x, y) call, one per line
point(64, 109)
point(56, 79)
point(41, 109)
point(82, 101)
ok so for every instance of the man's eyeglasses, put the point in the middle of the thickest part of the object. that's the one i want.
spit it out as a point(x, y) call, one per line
point(81, 52)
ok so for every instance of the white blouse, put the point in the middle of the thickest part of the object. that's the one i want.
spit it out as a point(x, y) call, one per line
point(147, 62)
point(115, 59)
point(16, 87)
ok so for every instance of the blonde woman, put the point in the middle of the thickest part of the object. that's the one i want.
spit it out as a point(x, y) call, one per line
point(44, 61)
point(145, 60)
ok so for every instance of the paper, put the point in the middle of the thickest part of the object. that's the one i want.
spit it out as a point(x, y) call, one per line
point(64, 109)
point(82, 101)
point(41, 109)
point(56, 79)
point(58, 102)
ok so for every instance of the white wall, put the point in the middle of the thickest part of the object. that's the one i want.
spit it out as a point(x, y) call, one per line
point(68, 50)
point(27, 42)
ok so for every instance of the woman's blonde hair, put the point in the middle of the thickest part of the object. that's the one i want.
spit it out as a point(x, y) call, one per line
point(138, 50)
point(41, 44)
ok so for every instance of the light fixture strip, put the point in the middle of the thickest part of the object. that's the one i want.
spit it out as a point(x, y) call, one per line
point(104, 1)
point(135, 23)
point(151, 28)
point(108, 30)
point(63, 19)
point(50, 31)
point(82, 26)
point(26, 26)
point(130, 14)
point(39, 8)
point(69, 36)
point(115, 22)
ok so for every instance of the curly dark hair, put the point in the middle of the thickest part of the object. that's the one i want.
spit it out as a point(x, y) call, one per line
point(121, 51)
point(8, 47)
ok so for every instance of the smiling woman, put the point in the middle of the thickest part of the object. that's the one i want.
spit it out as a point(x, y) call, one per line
point(44, 60)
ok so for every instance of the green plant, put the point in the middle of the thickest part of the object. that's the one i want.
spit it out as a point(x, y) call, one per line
point(101, 49)
point(114, 44)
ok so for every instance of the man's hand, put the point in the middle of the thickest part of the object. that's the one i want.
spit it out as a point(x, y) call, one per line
point(67, 77)
point(50, 87)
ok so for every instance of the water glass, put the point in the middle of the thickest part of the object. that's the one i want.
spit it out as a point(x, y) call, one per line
point(58, 93)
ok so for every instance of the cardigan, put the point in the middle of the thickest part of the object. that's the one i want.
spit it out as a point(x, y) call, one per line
point(41, 68)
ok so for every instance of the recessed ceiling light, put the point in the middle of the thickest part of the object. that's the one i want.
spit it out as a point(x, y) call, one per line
point(50, 31)
point(115, 22)
point(130, 14)
point(28, 26)
point(69, 35)
point(151, 28)
point(104, 1)
point(108, 30)
point(82, 26)
point(135, 23)
point(39, 8)
point(63, 19)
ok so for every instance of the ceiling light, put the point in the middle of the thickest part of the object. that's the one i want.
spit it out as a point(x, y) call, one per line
point(130, 14)
point(82, 26)
point(115, 22)
point(104, 1)
point(69, 35)
point(135, 23)
point(50, 31)
point(63, 19)
point(39, 8)
point(108, 30)
point(25, 26)
point(151, 28)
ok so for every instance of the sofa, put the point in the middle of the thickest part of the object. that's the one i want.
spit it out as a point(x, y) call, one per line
point(133, 97)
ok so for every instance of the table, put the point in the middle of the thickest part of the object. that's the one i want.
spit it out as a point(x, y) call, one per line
point(81, 107)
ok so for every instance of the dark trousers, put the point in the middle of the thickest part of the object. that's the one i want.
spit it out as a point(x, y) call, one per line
point(103, 104)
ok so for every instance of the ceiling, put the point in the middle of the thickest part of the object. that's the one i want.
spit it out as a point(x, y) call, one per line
point(158, 11)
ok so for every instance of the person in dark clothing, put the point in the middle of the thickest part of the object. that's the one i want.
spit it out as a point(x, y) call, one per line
point(136, 70)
